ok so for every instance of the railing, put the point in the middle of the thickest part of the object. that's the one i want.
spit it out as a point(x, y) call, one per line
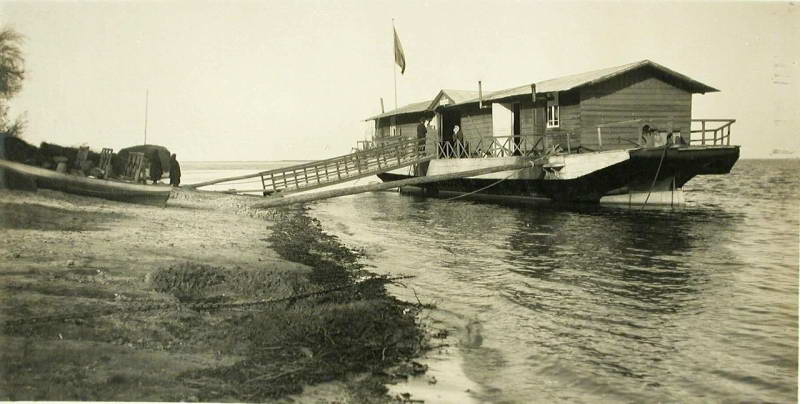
point(377, 159)
point(364, 145)
point(504, 146)
point(385, 157)
point(712, 131)
point(639, 133)
point(619, 134)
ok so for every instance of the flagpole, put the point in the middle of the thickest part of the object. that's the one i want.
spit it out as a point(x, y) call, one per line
point(146, 99)
point(394, 64)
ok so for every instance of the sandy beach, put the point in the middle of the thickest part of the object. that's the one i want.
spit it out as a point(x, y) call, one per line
point(170, 287)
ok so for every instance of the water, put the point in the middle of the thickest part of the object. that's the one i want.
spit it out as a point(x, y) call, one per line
point(595, 304)
point(193, 172)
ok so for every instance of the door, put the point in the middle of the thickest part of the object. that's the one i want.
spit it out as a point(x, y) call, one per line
point(502, 120)
point(449, 120)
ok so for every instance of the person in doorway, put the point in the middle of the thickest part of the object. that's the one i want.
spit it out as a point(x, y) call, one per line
point(174, 171)
point(460, 147)
point(156, 171)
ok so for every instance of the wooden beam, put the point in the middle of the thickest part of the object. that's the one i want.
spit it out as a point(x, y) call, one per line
point(283, 201)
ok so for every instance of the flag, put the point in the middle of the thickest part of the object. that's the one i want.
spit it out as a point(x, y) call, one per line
point(399, 57)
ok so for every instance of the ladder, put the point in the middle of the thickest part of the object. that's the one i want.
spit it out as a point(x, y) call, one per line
point(359, 164)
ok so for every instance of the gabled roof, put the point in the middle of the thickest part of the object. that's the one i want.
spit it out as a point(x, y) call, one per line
point(595, 76)
point(406, 109)
point(454, 96)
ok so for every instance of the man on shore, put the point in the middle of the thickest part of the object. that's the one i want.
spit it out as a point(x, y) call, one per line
point(155, 166)
point(174, 171)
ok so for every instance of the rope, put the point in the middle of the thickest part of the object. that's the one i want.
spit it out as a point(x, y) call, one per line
point(658, 171)
point(490, 185)
point(193, 306)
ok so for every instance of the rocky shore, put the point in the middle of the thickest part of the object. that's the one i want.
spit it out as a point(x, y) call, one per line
point(206, 299)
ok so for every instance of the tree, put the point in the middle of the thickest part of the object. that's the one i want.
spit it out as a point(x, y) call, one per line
point(12, 73)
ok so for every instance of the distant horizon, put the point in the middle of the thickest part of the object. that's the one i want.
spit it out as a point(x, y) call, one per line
point(276, 161)
point(270, 80)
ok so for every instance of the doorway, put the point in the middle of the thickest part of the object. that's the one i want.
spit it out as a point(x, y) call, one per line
point(449, 120)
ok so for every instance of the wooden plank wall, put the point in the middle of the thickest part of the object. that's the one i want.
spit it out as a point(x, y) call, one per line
point(476, 123)
point(636, 95)
point(570, 120)
point(526, 126)
point(406, 125)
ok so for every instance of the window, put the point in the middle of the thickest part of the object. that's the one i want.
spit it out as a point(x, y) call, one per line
point(553, 120)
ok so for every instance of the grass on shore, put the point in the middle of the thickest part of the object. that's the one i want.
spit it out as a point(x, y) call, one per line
point(222, 354)
point(352, 330)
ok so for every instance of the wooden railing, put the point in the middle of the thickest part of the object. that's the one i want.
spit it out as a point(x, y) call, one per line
point(499, 146)
point(712, 131)
point(505, 146)
point(364, 145)
point(363, 163)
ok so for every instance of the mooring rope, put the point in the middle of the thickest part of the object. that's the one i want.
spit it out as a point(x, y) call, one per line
point(192, 306)
point(658, 171)
point(490, 185)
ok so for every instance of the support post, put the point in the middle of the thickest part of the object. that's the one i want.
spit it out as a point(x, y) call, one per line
point(599, 137)
point(728, 136)
point(703, 132)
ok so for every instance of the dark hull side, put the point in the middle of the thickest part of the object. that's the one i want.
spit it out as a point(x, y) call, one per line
point(637, 173)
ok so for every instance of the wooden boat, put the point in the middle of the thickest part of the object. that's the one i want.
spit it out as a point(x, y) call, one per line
point(105, 189)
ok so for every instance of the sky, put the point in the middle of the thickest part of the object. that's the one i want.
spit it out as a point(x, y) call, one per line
point(284, 80)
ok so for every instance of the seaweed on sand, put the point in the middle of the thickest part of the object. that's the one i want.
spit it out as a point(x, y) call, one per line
point(358, 329)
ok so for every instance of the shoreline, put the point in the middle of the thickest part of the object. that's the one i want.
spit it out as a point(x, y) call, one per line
point(199, 257)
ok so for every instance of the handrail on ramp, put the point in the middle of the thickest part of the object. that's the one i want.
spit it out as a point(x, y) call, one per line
point(277, 201)
point(321, 173)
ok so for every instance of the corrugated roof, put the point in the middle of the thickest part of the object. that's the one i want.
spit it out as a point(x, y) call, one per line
point(595, 76)
point(461, 97)
point(406, 109)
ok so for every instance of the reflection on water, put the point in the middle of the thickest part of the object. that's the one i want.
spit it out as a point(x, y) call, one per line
point(586, 304)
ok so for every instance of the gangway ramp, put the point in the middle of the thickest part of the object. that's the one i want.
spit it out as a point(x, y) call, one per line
point(317, 174)
point(276, 201)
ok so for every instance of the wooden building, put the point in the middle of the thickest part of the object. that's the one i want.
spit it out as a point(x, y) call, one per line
point(603, 109)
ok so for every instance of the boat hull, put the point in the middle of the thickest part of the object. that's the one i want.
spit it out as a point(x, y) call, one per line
point(111, 190)
point(614, 177)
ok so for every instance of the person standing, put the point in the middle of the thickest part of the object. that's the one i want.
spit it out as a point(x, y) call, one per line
point(422, 133)
point(174, 171)
point(460, 148)
point(156, 171)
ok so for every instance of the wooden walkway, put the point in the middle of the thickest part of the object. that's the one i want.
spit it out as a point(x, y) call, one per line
point(322, 173)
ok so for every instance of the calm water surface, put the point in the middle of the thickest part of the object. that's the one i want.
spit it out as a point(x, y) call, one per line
point(604, 304)
point(697, 304)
